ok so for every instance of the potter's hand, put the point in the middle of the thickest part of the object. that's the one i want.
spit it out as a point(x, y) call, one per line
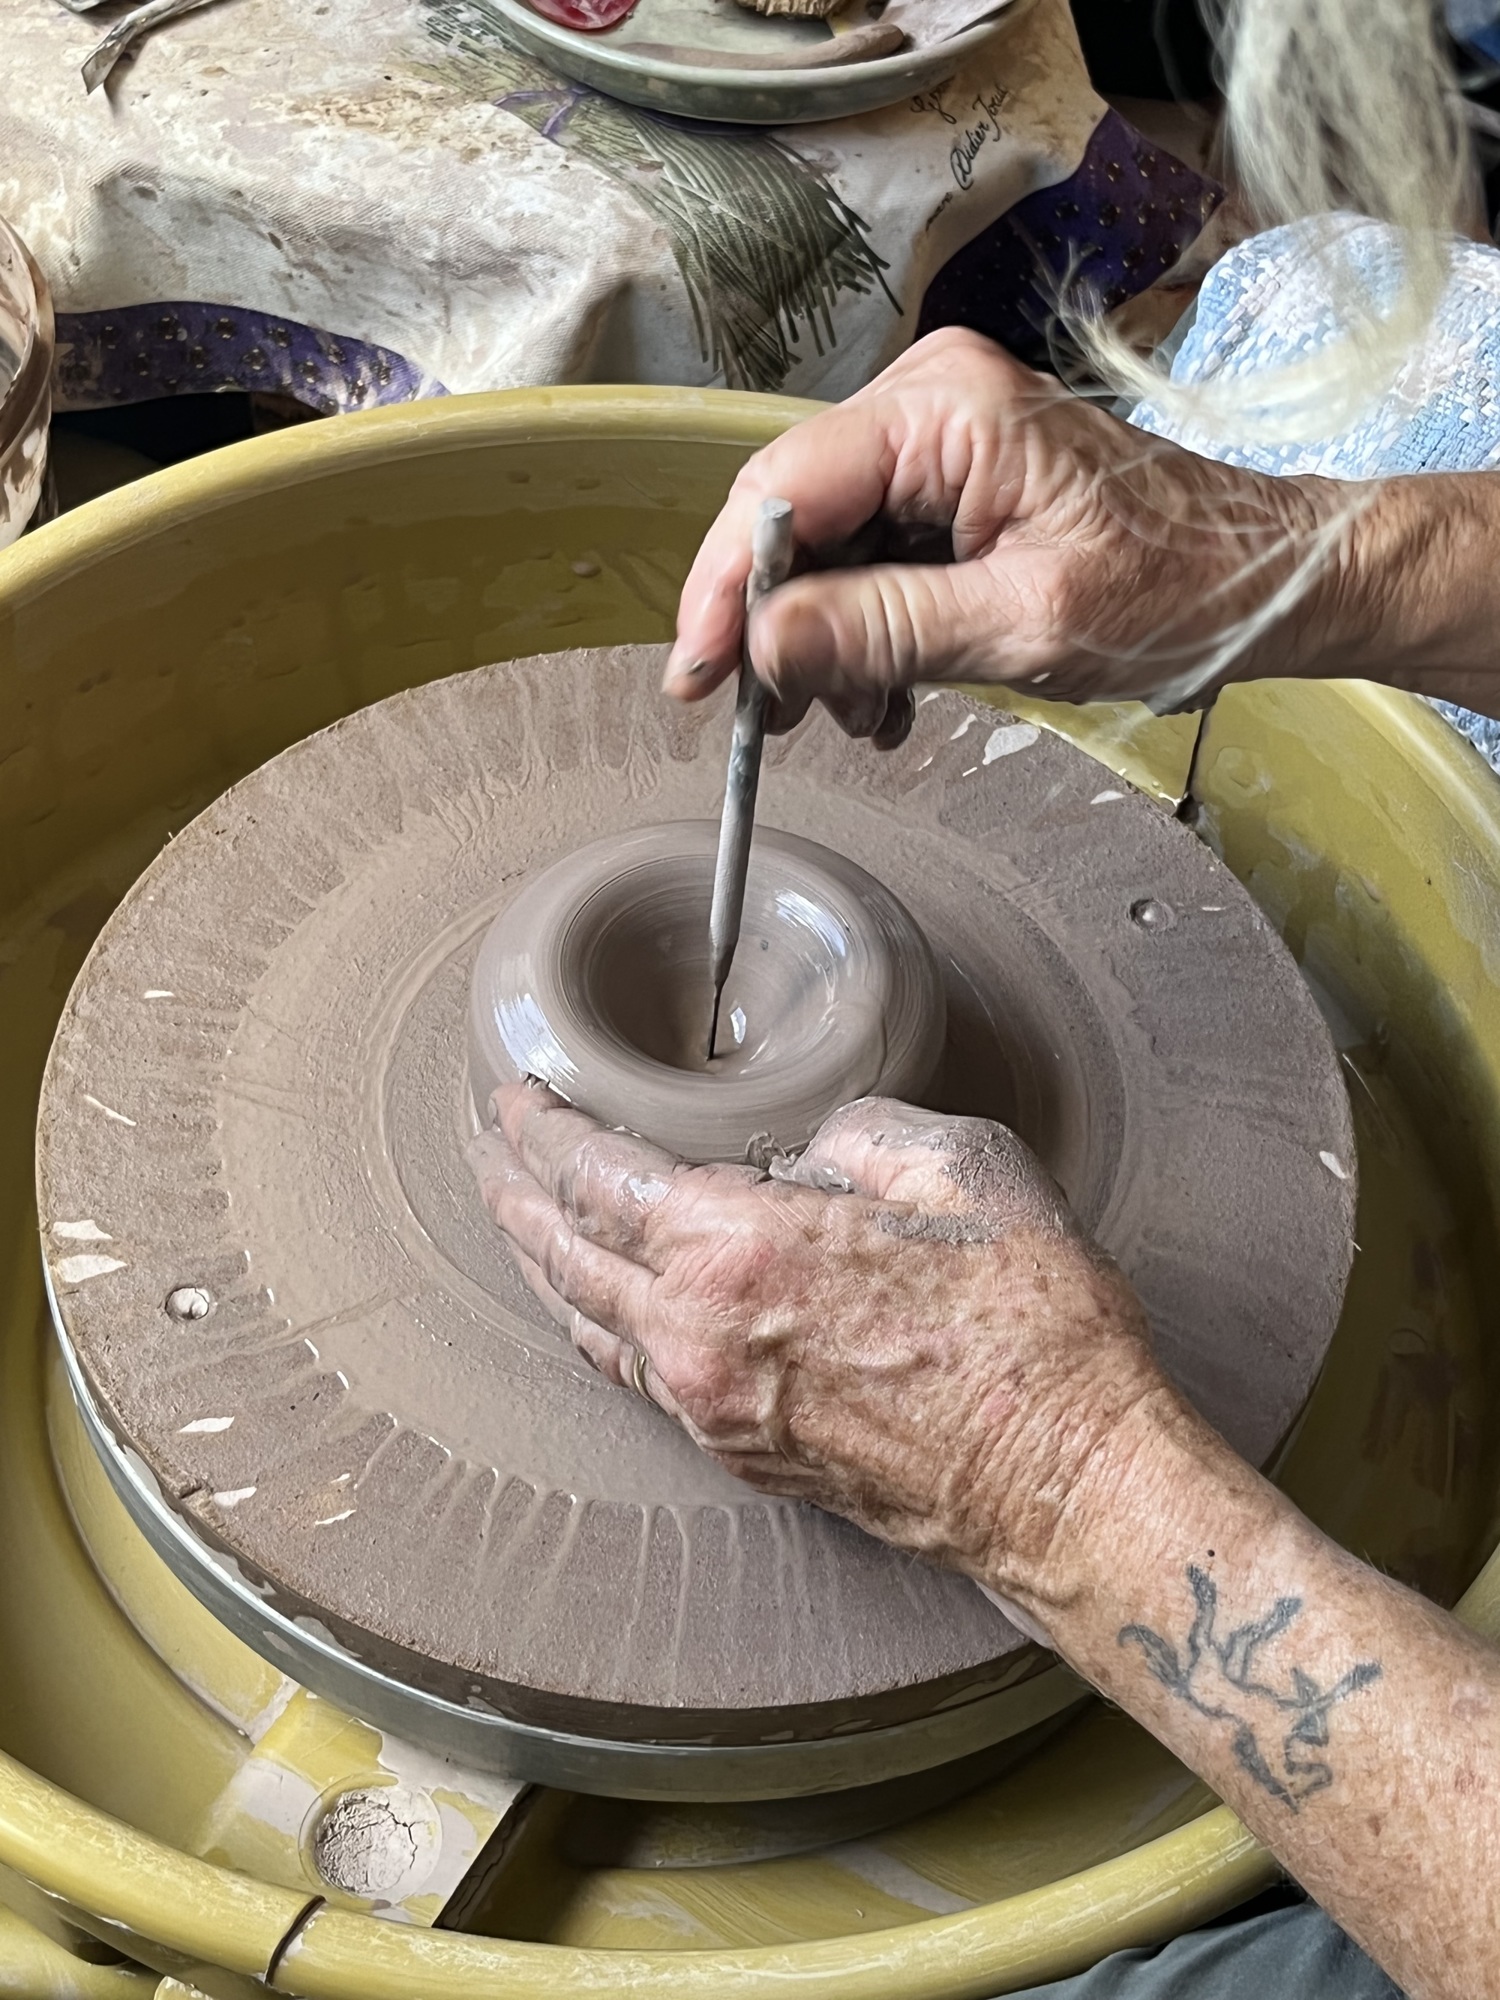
point(1091, 561)
point(936, 1354)
point(910, 1331)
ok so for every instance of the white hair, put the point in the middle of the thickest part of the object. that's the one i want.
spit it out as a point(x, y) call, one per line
point(1331, 106)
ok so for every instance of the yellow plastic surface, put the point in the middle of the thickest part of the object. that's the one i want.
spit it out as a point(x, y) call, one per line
point(1021, 1942)
point(33, 1965)
point(104, 1866)
point(161, 641)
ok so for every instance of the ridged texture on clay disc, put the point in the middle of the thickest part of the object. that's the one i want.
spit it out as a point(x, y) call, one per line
point(274, 1019)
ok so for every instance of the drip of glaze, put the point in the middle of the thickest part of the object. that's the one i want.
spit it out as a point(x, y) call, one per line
point(596, 979)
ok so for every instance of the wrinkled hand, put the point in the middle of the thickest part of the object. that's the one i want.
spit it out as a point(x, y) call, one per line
point(1089, 560)
point(910, 1330)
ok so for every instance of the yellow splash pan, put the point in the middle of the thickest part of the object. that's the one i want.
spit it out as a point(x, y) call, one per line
point(159, 643)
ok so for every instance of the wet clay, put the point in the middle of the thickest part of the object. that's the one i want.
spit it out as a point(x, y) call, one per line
point(596, 979)
point(260, 1089)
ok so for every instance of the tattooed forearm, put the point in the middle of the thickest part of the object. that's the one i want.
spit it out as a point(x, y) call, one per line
point(1279, 1732)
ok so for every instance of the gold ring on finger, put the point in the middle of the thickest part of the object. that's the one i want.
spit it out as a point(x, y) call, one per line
point(638, 1369)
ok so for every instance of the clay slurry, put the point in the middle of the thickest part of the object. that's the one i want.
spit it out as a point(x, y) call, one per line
point(597, 980)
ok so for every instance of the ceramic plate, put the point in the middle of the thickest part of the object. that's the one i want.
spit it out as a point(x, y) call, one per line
point(611, 62)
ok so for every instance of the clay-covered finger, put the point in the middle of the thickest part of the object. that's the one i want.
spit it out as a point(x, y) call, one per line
point(583, 1275)
point(492, 1161)
point(896, 725)
point(615, 1359)
point(604, 1351)
point(860, 714)
point(770, 1472)
point(618, 1361)
point(883, 719)
point(782, 717)
point(935, 1165)
point(884, 1149)
point(608, 1183)
point(600, 1348)
point(591, 1339)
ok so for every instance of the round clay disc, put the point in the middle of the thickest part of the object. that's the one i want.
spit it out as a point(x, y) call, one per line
point(256, 1106)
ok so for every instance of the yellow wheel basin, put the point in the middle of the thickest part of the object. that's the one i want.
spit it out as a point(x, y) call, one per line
point(159, 643)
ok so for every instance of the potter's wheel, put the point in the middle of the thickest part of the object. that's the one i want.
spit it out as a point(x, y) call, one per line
point(375, 1458)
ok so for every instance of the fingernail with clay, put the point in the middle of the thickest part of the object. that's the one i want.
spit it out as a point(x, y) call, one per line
point(857, 715)
point(896, 726)
point(682, 670)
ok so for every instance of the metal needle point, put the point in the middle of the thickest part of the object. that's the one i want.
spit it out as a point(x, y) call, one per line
point(770, 564)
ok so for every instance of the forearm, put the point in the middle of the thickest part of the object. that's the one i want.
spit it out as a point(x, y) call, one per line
point(933, 1352)
point(1353, 1726)
point(1412, 596)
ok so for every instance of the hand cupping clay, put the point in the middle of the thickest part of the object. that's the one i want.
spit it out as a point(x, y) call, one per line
point(596, 981)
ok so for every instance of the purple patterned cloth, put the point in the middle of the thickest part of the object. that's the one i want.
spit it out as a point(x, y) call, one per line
point(1094, 240)
point(1107, 232)
point(179, 348)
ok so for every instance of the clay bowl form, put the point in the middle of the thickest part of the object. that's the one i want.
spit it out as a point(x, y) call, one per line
point(596, 980)
point(156, 646)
